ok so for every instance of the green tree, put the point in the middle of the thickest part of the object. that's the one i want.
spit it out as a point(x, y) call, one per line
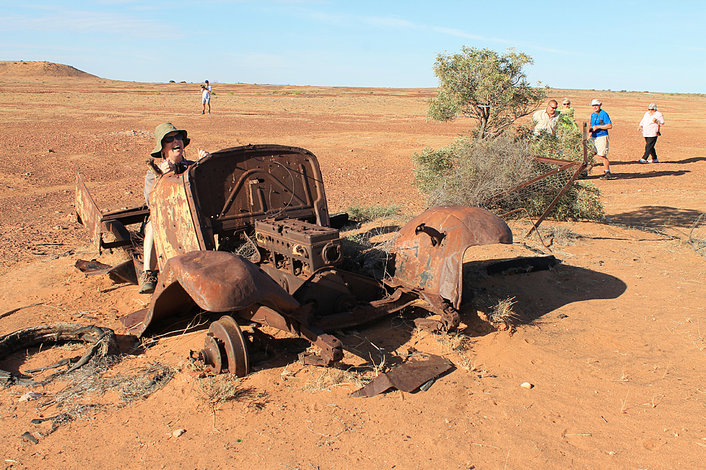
point(486, 86)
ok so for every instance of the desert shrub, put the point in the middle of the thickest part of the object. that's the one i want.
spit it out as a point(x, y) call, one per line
point(471, 171)
point(479, 172)
point(362, 214)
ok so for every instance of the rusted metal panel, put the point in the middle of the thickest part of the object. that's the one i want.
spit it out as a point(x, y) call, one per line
point(429, 249)
point(87, 211)
point(253, 182)
point(215, 281)
point(172, 220)
point(407, 377)
point(107, 230)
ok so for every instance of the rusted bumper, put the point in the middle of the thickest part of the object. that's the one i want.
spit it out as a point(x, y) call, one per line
point(429, 249)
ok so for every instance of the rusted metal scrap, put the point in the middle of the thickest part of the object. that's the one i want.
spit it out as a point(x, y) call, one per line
point(407, 377)
point(271, 199)
point(102, 342)
point(429, 254)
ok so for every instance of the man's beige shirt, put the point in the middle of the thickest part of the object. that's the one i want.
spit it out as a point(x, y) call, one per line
point(545, 123)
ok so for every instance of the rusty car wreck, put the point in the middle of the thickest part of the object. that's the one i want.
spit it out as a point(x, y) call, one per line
point(272, 198)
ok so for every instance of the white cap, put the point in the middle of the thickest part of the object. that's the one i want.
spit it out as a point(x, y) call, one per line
point(595, 102)
point(652, 106)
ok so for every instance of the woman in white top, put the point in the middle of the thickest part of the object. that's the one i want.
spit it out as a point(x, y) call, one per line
point(650, 126)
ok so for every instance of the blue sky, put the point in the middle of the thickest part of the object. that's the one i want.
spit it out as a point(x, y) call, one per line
point(619, 45)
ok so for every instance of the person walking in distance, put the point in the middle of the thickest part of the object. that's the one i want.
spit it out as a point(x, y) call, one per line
point(599, 125)
point(650, 127)
point(206, 97)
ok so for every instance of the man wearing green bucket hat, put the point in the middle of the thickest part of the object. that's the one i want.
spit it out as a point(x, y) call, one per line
point(169, 147)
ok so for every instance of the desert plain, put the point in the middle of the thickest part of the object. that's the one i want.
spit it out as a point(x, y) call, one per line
point(613, 338)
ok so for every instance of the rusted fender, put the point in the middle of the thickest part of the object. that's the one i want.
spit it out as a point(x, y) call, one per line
point(216, 281)
point(429, 249)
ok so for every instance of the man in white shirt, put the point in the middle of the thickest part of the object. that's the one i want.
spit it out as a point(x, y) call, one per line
point(546, 120)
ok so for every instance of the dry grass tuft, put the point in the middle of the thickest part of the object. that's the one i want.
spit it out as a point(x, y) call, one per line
point(332, 377)
point(697, 243)
point(503, 313)
point(561, 235)
point(77, 400)
point(219, 389)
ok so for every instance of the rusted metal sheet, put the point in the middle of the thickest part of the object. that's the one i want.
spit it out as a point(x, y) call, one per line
point(123, 272)
point(253, 182)
point(175, 229)
point(107, 229)
point(215, 281)
point(408, 376)
point(429, 249)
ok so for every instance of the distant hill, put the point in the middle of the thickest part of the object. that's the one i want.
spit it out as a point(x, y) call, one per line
point(28, 69)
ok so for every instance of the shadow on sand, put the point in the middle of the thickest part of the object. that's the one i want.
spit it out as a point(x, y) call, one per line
point(537, 293)
point(658, 216)
point(651, 174)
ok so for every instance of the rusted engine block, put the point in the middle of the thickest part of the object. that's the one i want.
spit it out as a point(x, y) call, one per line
point(296, 246)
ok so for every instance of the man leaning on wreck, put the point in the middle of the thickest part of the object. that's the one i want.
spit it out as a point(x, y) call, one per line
point(547, 119)
point(168, 155)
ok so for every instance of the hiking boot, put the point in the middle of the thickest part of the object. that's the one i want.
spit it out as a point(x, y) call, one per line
point(148, 282)
point(642, 160)
point(607, 176)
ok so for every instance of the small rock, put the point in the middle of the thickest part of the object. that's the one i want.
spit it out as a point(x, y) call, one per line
point(29, 396)
point(29, 438)
point(526, 385)
point(562, 315)
point(178, 432)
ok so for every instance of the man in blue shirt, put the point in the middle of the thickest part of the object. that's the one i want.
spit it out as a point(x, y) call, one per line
point(600, 123)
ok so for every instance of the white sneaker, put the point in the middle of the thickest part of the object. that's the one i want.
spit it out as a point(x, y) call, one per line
point(642, 160)
point(655, 161)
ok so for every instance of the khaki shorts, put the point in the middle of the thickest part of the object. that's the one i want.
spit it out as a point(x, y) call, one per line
point(602, 146)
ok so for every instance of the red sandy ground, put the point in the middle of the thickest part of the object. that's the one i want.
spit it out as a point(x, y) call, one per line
point(616, 352)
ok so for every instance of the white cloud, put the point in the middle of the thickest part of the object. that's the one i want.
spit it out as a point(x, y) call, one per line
point(85, 22)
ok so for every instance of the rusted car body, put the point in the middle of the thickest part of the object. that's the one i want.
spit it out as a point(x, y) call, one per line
point(272, 198)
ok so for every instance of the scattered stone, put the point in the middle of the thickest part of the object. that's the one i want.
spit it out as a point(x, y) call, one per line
point(178, 432)
point(562, 315)
point(29, 396)
point(29, 438)
point(526, 385)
